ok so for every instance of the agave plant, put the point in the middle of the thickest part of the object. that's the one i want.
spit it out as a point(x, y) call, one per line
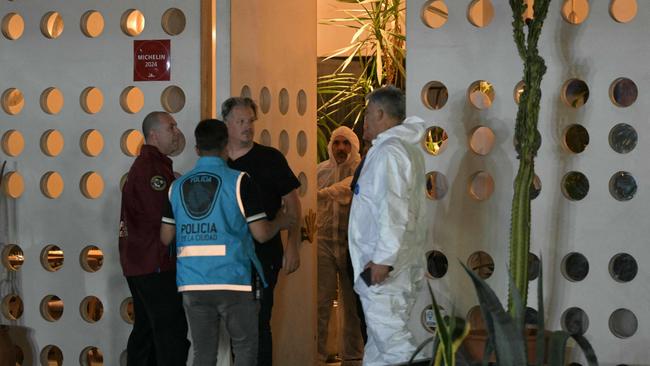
point(506, 330)
point(378, 45)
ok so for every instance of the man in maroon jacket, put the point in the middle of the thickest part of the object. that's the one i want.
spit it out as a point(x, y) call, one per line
point(159, 335)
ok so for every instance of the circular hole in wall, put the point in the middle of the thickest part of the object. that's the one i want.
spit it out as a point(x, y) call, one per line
point(245, 92)
point(91, 356)
point(13, 184)
point(52, 24)
point(575, 93)
point(434, 95)
point(52, 143)
point(482, 140)
point(435, 140)
point(12, 307)
point(13, 26)
point(283, 142)
point(91, 100)
point(52, 258)
point(623, 11)
point(173, 99)
point(13, 101)
point(435, 13)
point(480, 186)
point(91, 142)
point(265, 100)
point(173, 21)
point(91, 258)
point(576, 138)
point(51, 356)
point(623, 267)
point(428, 318)
point(623, 323)
point(533, 267)
point(575, 267)
point(480, 13)
point(92, 23)
point(284, 101)
point(52, 184)
point(575, 186)
point(575, 321)
point(91, 309)
point(302, 190)
point(13, 257)
point(132, 22)
point(91, 185)
point(436, 185)
point(481, 94)
point(126, 310)
point(623, 92)
point(481, 263)
point(131, 142)
point(623, 138)
point(519, 91)
point(301, 143)
point(437, 264)
point(132, 99)
point(301, 102)
point(13, 143)
point(622, 186)
point(575, 11)
point(52, 308)
point(265, 138)
point(475, 318)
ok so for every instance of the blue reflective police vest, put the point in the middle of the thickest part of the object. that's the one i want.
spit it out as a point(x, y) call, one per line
point(214, 246)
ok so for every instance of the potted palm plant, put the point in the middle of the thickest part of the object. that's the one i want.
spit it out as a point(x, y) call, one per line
point(378, 46)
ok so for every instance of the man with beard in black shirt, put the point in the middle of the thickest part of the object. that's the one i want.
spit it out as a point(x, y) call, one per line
point(278, 186)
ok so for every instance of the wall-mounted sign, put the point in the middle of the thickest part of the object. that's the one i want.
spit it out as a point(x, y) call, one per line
point(151, 60)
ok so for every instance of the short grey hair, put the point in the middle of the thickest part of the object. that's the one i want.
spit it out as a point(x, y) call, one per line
point(231, 103)
point(391, 100)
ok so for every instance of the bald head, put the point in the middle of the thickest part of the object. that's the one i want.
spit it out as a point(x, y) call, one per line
point(160, 130)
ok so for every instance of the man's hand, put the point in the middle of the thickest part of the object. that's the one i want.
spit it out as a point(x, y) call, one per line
point(291, 260)
point(378, 272)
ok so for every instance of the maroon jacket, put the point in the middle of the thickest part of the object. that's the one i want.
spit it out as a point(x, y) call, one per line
point(143, 197)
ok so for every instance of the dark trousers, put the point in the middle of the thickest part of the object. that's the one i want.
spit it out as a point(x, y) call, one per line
point(159, 334)
point(238, 310)
point(265, 350)
point(362, 316)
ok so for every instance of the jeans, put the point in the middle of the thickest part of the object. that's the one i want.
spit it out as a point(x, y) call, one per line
point(238, 309)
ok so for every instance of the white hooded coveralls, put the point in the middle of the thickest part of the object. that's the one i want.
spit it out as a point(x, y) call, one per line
point(334, 196)
point(387, 226)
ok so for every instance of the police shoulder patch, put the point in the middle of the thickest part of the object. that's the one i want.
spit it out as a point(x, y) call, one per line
point(158, 183)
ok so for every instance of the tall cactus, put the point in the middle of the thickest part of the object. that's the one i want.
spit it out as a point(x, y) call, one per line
point(527, 137)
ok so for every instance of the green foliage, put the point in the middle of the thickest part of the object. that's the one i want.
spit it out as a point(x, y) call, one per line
point(526, 135)
point(506, 329)
point(450, 333)
point(378, 45)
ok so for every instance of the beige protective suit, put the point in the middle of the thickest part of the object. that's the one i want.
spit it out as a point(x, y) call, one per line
point(334, 197)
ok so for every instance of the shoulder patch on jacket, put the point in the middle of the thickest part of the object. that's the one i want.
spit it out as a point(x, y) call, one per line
point(158, 183)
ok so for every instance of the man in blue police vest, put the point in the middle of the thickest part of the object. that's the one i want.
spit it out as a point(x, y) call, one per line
point(217, 212)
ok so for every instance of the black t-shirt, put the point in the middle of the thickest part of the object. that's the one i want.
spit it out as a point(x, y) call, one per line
point(250, 200)
point(270, 170)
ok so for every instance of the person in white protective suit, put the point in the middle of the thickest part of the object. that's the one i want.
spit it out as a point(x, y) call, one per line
point(334, 196)
point(387, 231)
